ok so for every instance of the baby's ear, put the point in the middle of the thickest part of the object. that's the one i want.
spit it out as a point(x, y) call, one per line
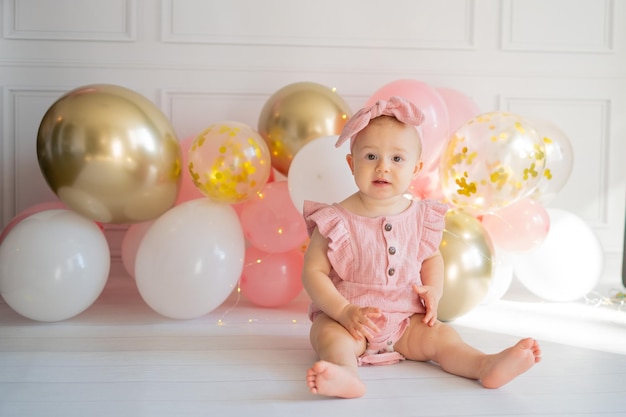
point(418, 168)
point(350, 161)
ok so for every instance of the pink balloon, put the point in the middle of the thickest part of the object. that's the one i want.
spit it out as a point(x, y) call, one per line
point(435, 129)
point(271, 279)
point(426, 186)
point(271, 222)
point(130, 244)
point(519, 226)
point(461, 108)
point(29, 211)
point(188, 190)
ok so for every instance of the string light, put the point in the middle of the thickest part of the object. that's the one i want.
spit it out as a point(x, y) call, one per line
point(615, 299)
point(220, 322)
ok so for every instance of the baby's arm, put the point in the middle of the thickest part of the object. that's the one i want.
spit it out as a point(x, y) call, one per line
point(432, 286)
point(319, 286)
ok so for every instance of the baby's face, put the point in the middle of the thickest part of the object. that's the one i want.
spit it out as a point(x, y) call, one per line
point(385, 158)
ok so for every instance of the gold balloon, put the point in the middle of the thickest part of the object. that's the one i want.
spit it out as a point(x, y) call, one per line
point(468, 260)
point(110, 154)
point(297, 114)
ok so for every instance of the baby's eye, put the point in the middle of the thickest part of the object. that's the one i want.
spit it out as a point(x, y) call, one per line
point(397, 159)
point(370, 156)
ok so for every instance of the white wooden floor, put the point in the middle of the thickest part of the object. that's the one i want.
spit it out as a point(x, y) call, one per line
point(121, 359)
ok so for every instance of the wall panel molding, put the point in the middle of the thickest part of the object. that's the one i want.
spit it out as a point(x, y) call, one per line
point(192, 111)
point(75, 20)
point(421, 24)
point(23, 184)
point(546, 26)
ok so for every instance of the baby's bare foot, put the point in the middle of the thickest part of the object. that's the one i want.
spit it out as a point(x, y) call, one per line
point(502, 367)
point(333, 380)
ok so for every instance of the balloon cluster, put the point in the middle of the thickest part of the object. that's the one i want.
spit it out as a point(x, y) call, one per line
point(209, 214)
point(501, 169)
point(206, 215)
point(110, 156)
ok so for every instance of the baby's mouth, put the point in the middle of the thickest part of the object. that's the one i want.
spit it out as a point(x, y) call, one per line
point(381, 181)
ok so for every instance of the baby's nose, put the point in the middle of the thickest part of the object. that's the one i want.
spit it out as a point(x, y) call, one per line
point(382, 166)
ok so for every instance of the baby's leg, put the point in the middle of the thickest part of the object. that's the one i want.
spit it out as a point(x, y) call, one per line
point(442, 344)
point(336, 373)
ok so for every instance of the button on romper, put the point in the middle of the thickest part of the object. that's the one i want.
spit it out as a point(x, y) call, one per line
point(375, 261)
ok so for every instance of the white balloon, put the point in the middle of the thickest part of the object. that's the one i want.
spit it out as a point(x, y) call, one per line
point(319, 172)
point(567, 265)
point(53, 265)
point(190, 259)
point(502, 277)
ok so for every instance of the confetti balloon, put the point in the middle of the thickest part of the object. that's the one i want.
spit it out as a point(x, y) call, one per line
point(468, 260)
point(229, 162)
point(188, 190)
point(491, 161)
point(297, 114)
point(559, 160)
point(110, 154)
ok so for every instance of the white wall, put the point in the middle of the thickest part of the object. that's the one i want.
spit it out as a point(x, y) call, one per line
point(203, 61)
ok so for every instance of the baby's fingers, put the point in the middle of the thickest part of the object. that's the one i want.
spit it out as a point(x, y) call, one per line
point(372, 312)
point(360, 331)
point(371, 327)
point(357, 335)
point(429, 318)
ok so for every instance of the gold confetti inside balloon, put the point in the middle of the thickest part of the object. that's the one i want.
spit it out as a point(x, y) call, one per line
point(491, 161)
point(559, 160)
point(297, 114)
point(229, 162)
point(468, 257)
point(110, 154)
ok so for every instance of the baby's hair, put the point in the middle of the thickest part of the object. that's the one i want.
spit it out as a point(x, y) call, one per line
point(390, 120)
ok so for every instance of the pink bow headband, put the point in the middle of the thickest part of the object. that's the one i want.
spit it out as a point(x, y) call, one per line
point(398, 107)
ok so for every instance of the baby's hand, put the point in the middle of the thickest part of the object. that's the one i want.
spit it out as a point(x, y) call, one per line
point(430, 301)
point(358, 320)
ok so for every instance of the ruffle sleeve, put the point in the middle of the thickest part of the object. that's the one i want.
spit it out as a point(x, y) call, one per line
point(433, 213)
point(332, 227)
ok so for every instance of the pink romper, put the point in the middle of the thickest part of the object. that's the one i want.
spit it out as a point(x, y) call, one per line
point(375, 262)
